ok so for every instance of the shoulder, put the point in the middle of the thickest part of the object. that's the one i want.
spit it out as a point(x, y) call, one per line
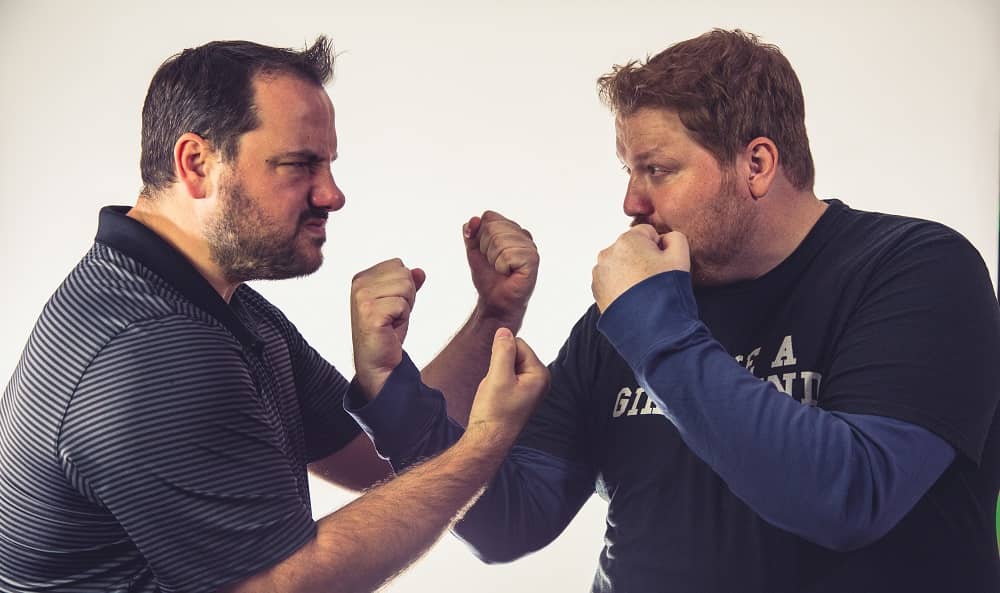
point(170, 375)
point(880, 234)
point(877, 250)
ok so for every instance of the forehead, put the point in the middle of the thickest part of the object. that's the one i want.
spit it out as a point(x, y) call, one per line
point(650, 131)
point(294, 115)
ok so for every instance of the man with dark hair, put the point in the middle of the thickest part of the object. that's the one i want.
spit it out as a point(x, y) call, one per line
point(773, 392)
point(155, 435)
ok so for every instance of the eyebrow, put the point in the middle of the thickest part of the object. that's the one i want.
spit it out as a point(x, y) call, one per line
point(646, 155)
point(302, 155)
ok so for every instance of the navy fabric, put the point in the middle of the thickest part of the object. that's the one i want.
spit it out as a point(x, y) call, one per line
point(855, 475)
point(880, 332)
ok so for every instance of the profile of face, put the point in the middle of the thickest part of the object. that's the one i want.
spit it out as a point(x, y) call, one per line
point(675, 184)
point(276, 195)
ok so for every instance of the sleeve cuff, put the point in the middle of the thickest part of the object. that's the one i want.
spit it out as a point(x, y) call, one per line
point(656, 312)
point(400, 414)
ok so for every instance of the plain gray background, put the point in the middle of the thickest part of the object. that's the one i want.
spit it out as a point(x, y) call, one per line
point(445, 109)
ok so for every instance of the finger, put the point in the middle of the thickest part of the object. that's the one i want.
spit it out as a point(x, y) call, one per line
point(526, 360)
point(504, 355)
point(644, 230)
point(501, 236)
point(514, 248)
point(514, 260)
point(380, 271)
point(674, 239)
point(387, 311)
point(492, 229)
point(401, 286)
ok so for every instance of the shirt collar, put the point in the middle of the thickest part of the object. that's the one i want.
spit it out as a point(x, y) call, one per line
point(139, 242)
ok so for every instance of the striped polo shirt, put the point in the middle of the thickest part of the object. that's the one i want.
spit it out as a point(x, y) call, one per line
point(154, 437)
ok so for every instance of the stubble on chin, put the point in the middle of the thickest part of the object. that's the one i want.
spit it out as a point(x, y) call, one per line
point(246, 245)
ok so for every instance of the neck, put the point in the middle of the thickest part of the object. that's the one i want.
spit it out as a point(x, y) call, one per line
point(782, 225)
point(182, 230)
point(765, 235)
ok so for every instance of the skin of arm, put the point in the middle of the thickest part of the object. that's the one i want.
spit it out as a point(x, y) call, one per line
point(503, 261)
point(363, 545)
point(355, 467)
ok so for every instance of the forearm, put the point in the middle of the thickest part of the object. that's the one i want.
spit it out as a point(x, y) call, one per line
point(457, 370)
point(531, 498)
point(361, 546)
point(529, 502)
point(848, 489)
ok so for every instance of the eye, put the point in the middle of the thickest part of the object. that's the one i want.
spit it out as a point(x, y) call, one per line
point(626, 169)
point(655, 171)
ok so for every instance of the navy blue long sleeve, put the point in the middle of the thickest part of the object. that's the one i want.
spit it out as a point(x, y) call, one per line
point(855, 475)
point(530, 500)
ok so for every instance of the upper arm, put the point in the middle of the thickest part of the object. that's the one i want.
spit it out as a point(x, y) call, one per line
point(923, 342)
point(166, 430)
point(356, 466)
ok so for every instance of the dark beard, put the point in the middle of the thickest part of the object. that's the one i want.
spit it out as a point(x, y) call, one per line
point(245, 245)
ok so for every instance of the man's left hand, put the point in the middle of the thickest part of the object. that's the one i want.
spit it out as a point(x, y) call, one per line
point(638, 254)
point(503, 259)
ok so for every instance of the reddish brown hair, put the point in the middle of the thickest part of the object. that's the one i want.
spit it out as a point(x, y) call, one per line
point(727, 88)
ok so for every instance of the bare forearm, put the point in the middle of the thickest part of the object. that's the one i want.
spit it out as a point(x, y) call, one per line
point(366, 543)
point(457, 370)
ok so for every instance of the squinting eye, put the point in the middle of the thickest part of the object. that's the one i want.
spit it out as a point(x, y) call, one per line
point(654, 170)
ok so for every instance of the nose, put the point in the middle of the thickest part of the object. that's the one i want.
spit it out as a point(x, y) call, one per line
point(636, 202)
point(326, 195)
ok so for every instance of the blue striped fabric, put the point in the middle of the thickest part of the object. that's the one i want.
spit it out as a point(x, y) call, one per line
point(154, 438)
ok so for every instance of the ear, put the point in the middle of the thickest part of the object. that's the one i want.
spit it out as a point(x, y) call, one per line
point(193, 160)
point(762, 155)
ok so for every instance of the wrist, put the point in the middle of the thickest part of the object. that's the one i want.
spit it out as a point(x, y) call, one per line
point(488, 318)
point(371, 382)
point(490, 439)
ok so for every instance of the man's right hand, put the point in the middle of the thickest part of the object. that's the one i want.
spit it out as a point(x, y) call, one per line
point(382, 298)
point(508, 394)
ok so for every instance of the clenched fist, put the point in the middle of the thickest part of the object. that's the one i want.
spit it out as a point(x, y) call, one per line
point(638, 253)
point(382, 298)
point(503, 259)
point(508, 394)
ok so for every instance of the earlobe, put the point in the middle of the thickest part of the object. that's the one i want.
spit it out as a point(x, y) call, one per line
point(192, 155)
point(763, 159)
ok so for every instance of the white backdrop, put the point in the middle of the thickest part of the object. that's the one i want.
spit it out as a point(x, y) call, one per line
point(448, 108)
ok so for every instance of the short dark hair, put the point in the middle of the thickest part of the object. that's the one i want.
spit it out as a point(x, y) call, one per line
point(208, 90)
point(727, 88)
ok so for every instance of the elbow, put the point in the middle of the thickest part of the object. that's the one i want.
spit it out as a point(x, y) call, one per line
point(849, 531)
point(496, 550)
point(497, 556)
point(847, 540)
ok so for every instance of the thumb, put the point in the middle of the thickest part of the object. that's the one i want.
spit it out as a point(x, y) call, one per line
point(419, 276)
point(504, 355)
point(470, 231)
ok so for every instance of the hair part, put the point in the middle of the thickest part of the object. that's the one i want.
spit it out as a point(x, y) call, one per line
point(728, 88)
point(208, 90)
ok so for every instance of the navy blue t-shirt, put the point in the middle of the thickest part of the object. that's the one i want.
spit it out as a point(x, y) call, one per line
point(873, 318)
point(872, 314)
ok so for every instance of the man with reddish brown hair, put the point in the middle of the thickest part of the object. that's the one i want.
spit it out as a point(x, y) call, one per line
point(773, 392)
